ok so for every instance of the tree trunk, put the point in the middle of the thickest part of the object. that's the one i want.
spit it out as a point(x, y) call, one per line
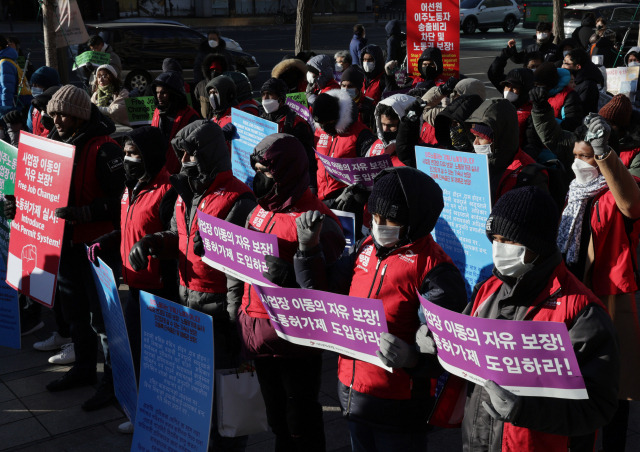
point(49, 25)
point(558, 20)
point(303, 26)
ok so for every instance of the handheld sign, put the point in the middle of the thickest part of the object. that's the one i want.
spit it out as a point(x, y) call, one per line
point(140, 110)
point(95, 58)
point(355, 170)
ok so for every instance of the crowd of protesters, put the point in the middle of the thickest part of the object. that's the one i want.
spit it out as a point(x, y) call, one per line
point(564, 168)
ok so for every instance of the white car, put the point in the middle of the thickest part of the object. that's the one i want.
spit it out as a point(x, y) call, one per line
point(485, 14)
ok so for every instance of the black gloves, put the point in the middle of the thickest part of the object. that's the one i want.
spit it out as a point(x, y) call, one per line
point(280, 272)
point(229, 132)
point(538, 96)
point(74, 214)
point(447, 88)
point(145, 247)
point(198, 245)
point(352, 199)
point(9, 207)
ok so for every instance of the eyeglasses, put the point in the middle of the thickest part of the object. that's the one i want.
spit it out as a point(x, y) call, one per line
point(103, 76)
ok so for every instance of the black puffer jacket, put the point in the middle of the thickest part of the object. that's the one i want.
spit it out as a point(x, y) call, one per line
point(396, 41)
point(587, 80)
point(205, 50)
point(459, 110)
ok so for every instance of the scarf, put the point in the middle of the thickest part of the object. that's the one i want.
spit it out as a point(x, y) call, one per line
point(570, 231)
point(105, 95)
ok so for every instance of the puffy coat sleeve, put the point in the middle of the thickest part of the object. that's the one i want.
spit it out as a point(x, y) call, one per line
point(554, 138)
point(118, 109)
point(8, 85)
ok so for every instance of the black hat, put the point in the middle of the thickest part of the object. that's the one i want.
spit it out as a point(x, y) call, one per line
point(389, 200)
point(326, 108)
point(547, 75)
point(275, 86)
point(354, 75)
point(526, 215)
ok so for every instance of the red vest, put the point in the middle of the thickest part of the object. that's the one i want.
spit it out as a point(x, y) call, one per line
point(428, 134)
point(341, 146)
point(557, 101)
point(373, 88)
point(282, 225)
point(183, 118)
point(377, 148)
point(510, 175)
point(217, 201)
point(38, 127)
point(560, 301)
point(86, 189)
point(138, 219)
point(627, 156)
point(396, 281)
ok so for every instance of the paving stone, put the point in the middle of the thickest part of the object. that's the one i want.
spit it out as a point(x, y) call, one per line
point(13, 410)
point(21, 432)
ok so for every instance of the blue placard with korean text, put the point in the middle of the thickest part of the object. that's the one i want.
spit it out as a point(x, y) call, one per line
point(176, 377)
point(460, 231)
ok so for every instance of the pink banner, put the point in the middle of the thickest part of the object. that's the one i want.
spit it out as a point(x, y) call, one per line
point(347, 325)
point(527, 358)
point(234, 250)
point(356, 170)
point(43, 176)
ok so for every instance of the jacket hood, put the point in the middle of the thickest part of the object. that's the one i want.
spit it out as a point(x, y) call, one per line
point(9, 52)
point(209, 59)
point(424, 199)
point(171, 64)
point(459, 110)
point(347, 110)
point(468, 86)
point(152, 145)
point(400, 103)
point(523, 77)
point(292, 71)
point(244, 90)
point(501, 116)
point(631, 50)
point(564, 77)
point(376, 52)
point(226, 89)
point(432, 54)
point(46, 77)
point(589, 72)
point(324, 65)
point(393, 27)
point(287, 161)
point(205, 141)
point(174, 82)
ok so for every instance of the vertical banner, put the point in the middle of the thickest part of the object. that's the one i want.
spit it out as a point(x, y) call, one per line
point(9, 306)
point(71, 30)
point(176, 378)
point(460, 231)
point(124, 376)
point(250, 131)
point(43, 177)
point(434, 24)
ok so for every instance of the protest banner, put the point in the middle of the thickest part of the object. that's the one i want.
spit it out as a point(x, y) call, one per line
point(43, 176)
point(124, 376)
point(525, 357)
point(460, 231)
point(140, 110)
point(623, 80)
point(235, 250)
point(347, 325)
point(95, 58)
point(301, 111)
point(434, 24)
point(300, 98)
point(348, 223)
point(9, 306)
point(356, 170)
point(71, 29)
point(176, 378)
point(250, 131)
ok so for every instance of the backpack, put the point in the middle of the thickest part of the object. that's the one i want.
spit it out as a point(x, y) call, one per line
point(24, 90)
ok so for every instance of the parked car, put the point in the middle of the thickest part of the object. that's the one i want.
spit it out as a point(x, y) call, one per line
point(486, 14)
point(143, 45)
point(619, 17)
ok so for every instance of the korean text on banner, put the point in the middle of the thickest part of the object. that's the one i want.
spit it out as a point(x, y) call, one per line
point(140, 110)
point(9, 306)
point(43, 176)
point(124, 376)
point(623, 80)
point(71, 29)
point(250, 131)
point(301, 111)
point(176, 377)
point(234, 250)
point(460, 231)
point(528, 358)
point(357, 170)
point(434, 24)
point(347, 325)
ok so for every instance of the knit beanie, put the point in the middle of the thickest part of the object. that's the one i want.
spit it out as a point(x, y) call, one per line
point(546, 75)
point(617, 111)
point(46, 77)
point(354, 75)
point(526, 215)
point(326, 108)
point(387, 199)
point(275, 86)
point(70, 100)
point(107, 67)
point(483, 131)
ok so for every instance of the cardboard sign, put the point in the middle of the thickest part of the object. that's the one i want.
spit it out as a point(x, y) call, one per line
point(43, 177)
point(623, 80)
point(140, 110)
point(356, 170)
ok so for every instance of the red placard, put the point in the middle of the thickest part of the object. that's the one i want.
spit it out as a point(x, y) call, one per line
point(434, 24)
point(43, 177)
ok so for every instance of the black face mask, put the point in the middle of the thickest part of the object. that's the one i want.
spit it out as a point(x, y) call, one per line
point(262, 184)
point(430, 73)
point(133, 170)
point(47, 121)
point(388, 137)
point(330, 129)
point(190, 169)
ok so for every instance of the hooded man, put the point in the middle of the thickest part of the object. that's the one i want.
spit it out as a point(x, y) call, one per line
point(587, 78)
point(585, 30)
point(42, 79)
point(214, 64)
point(352, 82)
point(516, 87)
point(214, 44)
point(339, 133)
point(450, 126)
point(244, 93)
point(396, 41)
point(632, 57)
point(437, 97)
point(172, 112)
point(223, 97)
point(388, 411)
point(205, 182)
point(319, 77)
point(293, 72)
point(372, 62)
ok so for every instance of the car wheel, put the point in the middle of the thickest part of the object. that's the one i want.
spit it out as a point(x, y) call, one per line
point(483, 29)
point(469, 26)
point(509, 24)
point(137, 79)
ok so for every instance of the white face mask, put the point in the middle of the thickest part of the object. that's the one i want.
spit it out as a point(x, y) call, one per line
point(352, 92)
point(584, 172)
point(338, 67)
point(214, 100)
point(484, 149)
point(369, 66)
point(510, 96)
point(270, 105)
point(386, 236)
point(542, 36)
point(311, 78)
point(37, 91)
point(509, 259)
point(631, 64)
point(213, 43)
point(132, 159)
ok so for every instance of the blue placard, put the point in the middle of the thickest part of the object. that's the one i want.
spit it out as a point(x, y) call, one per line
point(250, 130)
point(124, 377)
point(348, 222)
point(176, 377)
point(460, 231)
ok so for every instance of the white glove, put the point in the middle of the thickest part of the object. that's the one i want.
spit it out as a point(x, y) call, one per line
point(505, 405)
point(390, 67)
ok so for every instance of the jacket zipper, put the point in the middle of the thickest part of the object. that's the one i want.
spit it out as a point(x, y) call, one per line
point(273, 215)
point(597, 210)
point(326, 173)
point(384, 269)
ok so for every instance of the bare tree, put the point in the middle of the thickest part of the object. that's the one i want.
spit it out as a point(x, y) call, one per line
point(49, 25)
point(303, 25)
point(558, 20)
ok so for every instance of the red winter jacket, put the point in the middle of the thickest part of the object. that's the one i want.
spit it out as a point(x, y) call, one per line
point(510, 175)
point(38, 127)
point(184, 117)
point(377, 148)
point(373, 88)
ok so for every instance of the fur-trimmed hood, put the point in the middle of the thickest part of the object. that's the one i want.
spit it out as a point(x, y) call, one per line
point(347, 110)
point(292, 71)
